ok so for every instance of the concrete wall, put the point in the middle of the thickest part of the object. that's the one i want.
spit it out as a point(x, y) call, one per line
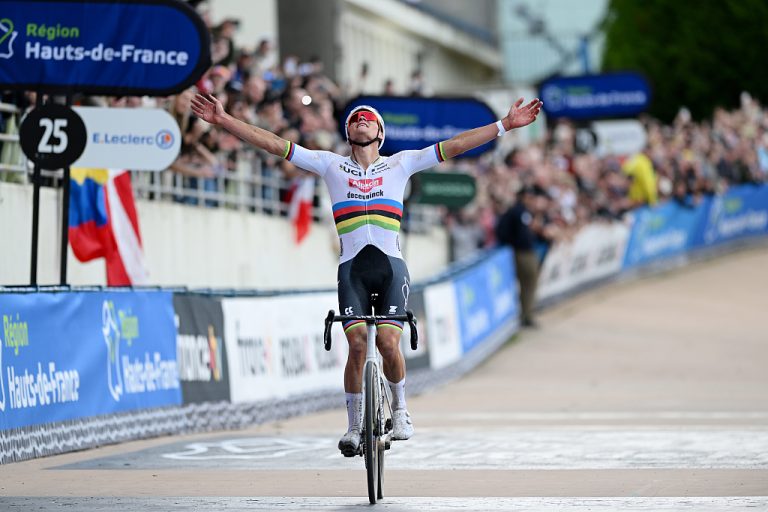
point(196, 247)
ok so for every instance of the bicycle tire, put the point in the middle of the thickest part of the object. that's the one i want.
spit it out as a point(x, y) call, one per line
point(382, 448)
point(371, 437)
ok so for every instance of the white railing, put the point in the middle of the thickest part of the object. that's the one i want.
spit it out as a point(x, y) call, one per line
point(12, 159)
point(251, 187)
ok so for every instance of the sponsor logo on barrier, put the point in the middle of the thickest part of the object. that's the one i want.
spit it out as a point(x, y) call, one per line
point(501, 292)
point(657, 238)
point(2, 387)
point(255, 355)
point(727, 219)
point(200, 357)
point(294, 356)
point(126, 375)
point(40, 388)
point(478, 321)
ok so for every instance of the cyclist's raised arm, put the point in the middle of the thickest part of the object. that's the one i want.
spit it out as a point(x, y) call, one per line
point(517, 117)
point(210, 110)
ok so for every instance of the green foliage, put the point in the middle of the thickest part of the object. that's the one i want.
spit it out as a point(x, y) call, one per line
point(700, 54)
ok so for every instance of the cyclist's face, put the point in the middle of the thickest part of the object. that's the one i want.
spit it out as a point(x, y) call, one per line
point(363, 124)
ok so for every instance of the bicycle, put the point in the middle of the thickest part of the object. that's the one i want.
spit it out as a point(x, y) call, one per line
point(377, 402)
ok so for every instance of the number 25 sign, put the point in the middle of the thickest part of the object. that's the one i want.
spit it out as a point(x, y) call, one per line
point(53, 136)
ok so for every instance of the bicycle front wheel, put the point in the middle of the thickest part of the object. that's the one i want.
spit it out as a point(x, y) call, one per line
point(371, 427)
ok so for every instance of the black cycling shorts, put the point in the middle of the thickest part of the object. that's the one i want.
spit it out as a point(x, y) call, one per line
point(371, 271)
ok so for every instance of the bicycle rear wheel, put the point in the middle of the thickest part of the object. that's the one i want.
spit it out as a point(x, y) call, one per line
point(370, 425)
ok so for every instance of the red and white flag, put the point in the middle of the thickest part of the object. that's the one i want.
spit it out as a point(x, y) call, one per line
point(300, 207)
point(103, 223)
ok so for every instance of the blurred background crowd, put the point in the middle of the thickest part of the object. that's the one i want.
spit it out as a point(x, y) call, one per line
point(568, 187)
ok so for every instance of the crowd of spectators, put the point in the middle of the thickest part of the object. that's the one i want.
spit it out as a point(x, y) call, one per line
point(682, 161)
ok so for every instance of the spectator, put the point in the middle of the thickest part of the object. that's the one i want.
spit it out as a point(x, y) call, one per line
point(643, 190)
point(514, 229)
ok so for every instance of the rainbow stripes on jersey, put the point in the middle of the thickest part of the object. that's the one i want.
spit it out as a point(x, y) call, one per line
point(384, 213)
point(439, 152)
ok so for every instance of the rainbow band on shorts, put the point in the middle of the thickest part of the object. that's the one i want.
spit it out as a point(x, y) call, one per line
point(392, 324)
point(352, 324)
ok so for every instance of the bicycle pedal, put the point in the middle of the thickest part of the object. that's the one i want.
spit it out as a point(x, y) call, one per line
point(351, 453)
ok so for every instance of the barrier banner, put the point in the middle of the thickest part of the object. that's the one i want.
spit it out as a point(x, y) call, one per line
point(419, 358)
point(442, 320)
point(661, 232)
point(595, 252)
point(417, 123)
point(740, 213)
point(486, 296)
point(70, 355)
point(115, 47)
point(275, 346)
point(200, 349)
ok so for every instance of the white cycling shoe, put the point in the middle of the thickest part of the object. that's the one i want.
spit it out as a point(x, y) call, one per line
point(349, 444)
point(402, 426)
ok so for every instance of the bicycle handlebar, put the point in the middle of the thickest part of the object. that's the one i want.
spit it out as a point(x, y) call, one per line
point(333, 317)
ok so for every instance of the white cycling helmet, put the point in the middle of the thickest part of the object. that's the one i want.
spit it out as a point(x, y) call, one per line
point(378, 117)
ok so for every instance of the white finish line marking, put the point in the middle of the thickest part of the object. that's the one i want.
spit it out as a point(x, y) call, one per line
point(602, 416)
point(515, 449)
point(639, 504)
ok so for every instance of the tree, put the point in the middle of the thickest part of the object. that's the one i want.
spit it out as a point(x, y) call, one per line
point(698, 54)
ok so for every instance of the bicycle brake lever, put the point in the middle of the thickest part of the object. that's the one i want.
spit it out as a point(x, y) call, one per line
point(327, 330)
point(414, 333)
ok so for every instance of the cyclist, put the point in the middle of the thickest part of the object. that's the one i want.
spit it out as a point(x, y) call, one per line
point(366, 191)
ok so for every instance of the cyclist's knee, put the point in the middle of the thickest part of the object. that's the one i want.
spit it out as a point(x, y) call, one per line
point(388, 342)
point(357, 342)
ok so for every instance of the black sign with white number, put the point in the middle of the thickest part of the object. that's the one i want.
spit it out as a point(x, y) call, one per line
point(52, 136)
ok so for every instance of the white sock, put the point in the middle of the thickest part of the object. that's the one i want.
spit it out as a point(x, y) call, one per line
point(398, 394)
point(354, 410)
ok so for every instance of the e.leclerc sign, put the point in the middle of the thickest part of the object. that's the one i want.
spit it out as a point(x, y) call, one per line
point(144, 47)
point(595, 96)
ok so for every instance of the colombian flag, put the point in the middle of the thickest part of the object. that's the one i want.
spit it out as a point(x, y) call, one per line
point(103, 224)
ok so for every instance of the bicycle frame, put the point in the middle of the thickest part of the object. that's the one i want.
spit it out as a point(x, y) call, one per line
point(377, 428)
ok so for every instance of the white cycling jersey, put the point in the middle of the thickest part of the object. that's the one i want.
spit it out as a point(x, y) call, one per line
point(367, 203)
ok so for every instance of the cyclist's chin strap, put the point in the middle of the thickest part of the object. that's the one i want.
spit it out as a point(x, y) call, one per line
point(363, 144)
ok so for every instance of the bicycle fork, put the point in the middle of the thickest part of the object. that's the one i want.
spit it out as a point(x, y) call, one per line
point(372, 357)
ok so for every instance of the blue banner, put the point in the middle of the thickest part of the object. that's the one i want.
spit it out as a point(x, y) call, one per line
point(486, 296)
point(661, 232)
point(595, 96)
point(71, 355)
point(741, 212)
point(416, 123)
point(157, 47)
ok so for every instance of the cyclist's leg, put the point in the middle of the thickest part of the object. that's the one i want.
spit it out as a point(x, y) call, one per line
point(353, 300)
point(351, 294)
point(395, 302)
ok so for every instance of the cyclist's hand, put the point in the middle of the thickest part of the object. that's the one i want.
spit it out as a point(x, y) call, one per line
point(208, 108)
point(523, 115)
